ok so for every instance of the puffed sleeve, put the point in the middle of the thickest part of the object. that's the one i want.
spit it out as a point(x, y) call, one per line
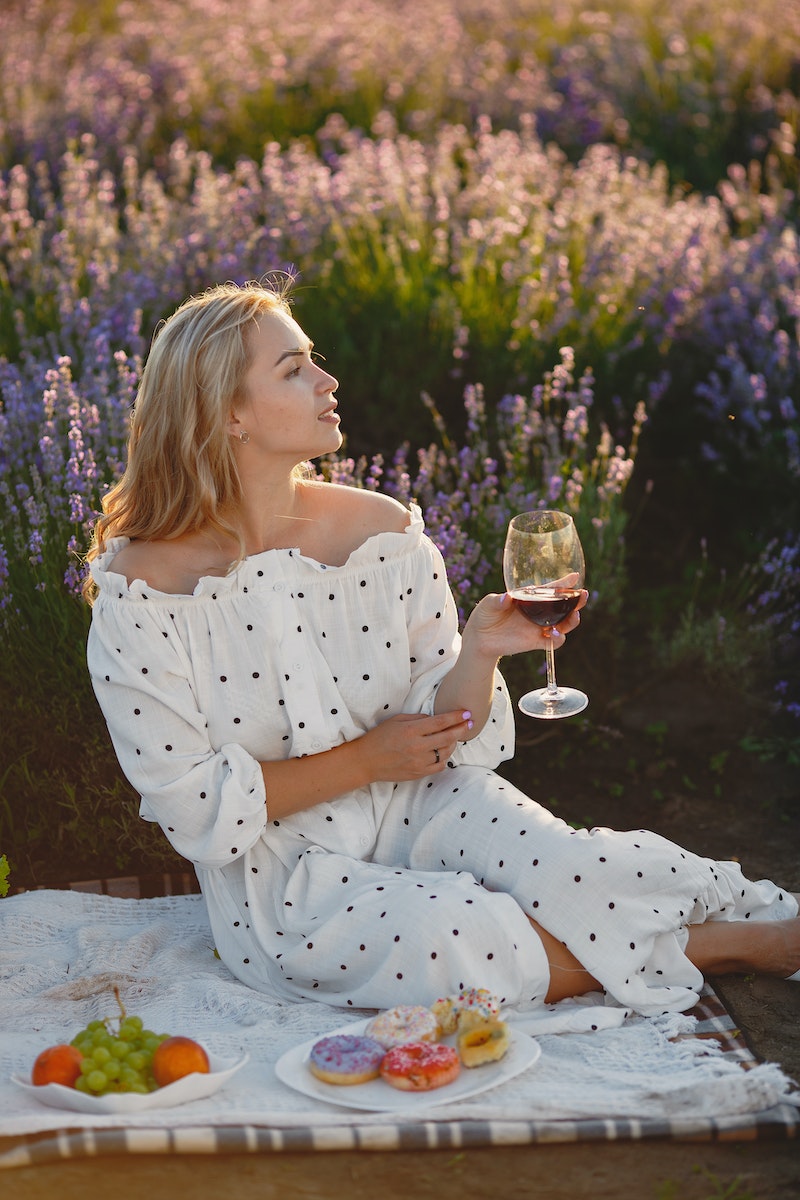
point(432, 619)
point(209, 802)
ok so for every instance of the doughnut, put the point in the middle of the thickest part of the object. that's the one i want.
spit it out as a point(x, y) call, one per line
point(346, 1059)
point(420, 1066)
point(403, 1024)
point(446, 1015)
point(483, 1043)
point(479, 1001)
point(456, 1011)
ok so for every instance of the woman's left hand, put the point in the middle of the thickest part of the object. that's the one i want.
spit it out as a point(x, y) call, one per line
point(498, 628)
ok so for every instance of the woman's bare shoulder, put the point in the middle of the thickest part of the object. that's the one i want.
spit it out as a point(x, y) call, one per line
point(380, 512)
point(167, 566)
point(347, 516)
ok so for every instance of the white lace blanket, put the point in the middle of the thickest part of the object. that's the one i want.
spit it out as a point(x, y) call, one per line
point(61, 953)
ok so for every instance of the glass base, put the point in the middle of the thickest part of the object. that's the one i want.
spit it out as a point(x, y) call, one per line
point(549, 706)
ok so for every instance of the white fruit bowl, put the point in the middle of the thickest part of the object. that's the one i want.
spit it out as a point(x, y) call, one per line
point(191, 1087)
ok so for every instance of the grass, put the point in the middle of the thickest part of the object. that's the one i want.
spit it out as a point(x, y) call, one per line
point(719, 1189)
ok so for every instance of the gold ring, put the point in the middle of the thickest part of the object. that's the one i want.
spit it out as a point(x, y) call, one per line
point(436, 752)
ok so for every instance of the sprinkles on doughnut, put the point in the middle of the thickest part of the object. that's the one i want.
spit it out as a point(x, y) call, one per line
point(346, 1059)
point(469, 1006)
point(420, 1066)
point(403, 1024)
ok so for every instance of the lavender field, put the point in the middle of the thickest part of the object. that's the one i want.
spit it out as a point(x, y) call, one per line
point(550, 251)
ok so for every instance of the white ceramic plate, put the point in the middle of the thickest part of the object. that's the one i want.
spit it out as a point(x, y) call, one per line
point(191, 1087)
point(376, 1096)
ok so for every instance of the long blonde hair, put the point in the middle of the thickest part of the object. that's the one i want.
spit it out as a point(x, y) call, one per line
point(181, 472)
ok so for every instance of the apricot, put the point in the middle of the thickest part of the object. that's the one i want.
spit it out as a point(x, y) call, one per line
point(178, 1056)
point(57, 1064)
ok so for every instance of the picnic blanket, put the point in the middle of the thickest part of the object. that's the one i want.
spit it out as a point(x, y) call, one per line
point(602, 1073)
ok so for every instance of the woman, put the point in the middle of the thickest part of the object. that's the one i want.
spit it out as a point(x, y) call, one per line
point(279, 664)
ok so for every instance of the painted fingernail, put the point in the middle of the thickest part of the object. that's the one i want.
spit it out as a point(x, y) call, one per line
point(470, 724)
point(465, 716)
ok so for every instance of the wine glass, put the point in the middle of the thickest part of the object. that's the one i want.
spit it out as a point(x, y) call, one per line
point(543, 568)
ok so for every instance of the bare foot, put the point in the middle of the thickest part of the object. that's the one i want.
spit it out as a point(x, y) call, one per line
point(790, 933)
point(730, 947)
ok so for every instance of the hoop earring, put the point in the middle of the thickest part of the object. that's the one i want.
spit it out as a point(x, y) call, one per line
point(244, 437)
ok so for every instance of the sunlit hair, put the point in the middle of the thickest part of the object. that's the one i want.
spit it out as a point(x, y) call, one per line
point(181, 472)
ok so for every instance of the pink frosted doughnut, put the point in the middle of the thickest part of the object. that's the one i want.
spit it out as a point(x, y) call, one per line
point(403, 1024)
point(420, 1067)
point(346, 1059)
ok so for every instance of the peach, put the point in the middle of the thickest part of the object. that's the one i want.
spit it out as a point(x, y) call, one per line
point(57, 1064)
point(176, 1057)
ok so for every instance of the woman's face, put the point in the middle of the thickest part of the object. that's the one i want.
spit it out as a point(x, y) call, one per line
point(289, 408)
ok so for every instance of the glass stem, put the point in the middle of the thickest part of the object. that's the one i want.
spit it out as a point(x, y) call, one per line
point(550, 659)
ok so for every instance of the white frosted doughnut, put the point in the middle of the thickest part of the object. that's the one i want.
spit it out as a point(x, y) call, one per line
point(403, 1024)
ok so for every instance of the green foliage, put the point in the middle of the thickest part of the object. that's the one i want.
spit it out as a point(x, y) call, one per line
point(63, 802)
point(724, 629)
point(720, 1189)
point(774, 748)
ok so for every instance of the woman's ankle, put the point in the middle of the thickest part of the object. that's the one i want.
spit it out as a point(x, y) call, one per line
point(734, 947)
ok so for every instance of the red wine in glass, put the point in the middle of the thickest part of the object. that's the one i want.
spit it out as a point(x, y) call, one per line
point(546, 605)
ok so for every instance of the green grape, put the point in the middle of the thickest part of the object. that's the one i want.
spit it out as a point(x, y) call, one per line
point(101, 1055)
point(120, 1049)
point(96, 1081)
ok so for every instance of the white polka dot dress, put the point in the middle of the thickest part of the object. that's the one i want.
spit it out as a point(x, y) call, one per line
point(395, 893)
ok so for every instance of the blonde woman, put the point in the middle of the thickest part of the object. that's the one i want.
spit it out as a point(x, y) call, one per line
point(280, 667)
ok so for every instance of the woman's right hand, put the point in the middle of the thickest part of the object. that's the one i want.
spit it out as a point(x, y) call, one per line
point(407, 746)
point(412, 745)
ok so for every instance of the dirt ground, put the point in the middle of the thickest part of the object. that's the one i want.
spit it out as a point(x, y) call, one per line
point(669, 758)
